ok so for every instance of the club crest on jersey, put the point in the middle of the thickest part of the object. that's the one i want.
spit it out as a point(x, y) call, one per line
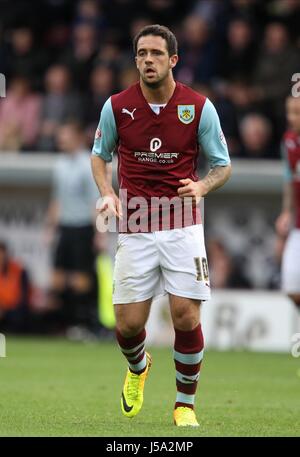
point(186, 113)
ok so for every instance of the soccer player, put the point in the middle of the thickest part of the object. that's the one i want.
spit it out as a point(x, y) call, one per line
point(157, 126)
point(288, 223)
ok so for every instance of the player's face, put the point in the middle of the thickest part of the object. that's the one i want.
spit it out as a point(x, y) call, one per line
point(293, 113)
point(153, 61)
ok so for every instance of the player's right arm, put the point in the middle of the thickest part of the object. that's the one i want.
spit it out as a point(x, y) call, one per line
point(284, 220)
point(106, 139)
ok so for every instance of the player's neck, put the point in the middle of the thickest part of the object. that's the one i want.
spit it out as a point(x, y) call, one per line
point(161, 94)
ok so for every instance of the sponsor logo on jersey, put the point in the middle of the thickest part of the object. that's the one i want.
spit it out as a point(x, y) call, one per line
point(186, 113)
point(130, 113)
point(155, 144)
point(160, 157)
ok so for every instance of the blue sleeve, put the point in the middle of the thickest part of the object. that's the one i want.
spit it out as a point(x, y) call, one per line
point(211, 137)
point(287, 172)
point(106, 137)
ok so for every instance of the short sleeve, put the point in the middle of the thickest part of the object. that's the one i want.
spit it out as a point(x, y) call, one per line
point(106, 136)
point(211, 137)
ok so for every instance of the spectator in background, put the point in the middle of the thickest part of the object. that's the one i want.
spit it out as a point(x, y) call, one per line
point(59, 105)
point(70, 220)
point(90, 12)
point(253, 10)
point(101, 86)
point(288, 12)
point(237, 66)
point(198, 62)
point(237, 62)
point(14, 293)
point(226, 112)
point(224, 272)
point(110, 55)
point(25, 58)
point(19, 117)
point(276, 63)
point(215, 13)
point(256, 137)
point(81, 55)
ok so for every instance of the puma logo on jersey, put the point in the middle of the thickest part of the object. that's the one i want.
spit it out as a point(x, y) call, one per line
point(125, 111)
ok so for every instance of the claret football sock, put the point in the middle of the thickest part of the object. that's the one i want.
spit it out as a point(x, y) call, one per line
point(188, 354)
point(133, 349)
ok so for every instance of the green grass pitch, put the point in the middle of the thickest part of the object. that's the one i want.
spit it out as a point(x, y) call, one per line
point(60, 388)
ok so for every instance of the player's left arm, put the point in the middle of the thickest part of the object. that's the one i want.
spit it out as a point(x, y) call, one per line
point(213, 143)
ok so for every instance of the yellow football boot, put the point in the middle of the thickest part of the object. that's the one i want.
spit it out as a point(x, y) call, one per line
point(185, 417)
point(132, 395)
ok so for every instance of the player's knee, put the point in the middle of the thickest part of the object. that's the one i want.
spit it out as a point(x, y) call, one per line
point(185, 319)
point(129, 329)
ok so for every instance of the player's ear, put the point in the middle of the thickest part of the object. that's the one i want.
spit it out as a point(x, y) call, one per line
point(173, 60)
point(136, 61)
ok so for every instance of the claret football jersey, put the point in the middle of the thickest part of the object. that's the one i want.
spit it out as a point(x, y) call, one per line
point(157, 148)
point(291, 154)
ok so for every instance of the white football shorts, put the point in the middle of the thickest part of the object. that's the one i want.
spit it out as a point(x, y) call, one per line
point(151, 264)
point(290, 270)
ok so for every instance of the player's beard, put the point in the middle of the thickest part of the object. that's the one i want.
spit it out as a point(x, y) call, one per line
point(155, 84)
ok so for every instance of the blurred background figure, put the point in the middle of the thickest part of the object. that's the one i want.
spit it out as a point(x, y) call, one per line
point(81, 54)
point(256, 137)
point(70, 223)
point(237, 60)
point(19, 116)
point(277, 61)
point(198, 58)
point(102, 83)
point(59, 104)
point(15, 293)
point(25, 57)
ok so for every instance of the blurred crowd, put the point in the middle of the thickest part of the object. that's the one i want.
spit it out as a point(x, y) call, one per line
point(62, 59)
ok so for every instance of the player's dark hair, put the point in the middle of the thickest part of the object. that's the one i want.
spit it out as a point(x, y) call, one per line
point(158, 30)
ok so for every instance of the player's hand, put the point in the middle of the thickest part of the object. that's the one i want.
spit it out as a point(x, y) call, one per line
point(192, 189)
point(110, 206)
point(283, 223)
